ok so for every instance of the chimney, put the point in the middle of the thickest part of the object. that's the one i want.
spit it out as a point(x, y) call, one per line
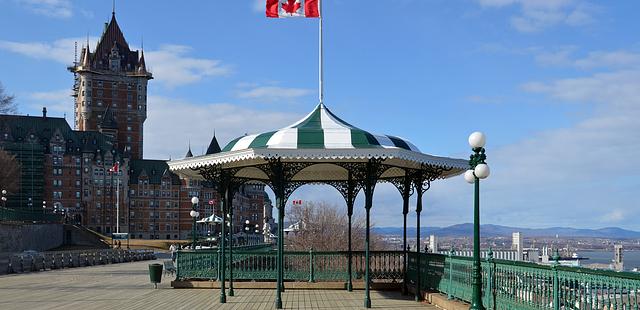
point(44, 112)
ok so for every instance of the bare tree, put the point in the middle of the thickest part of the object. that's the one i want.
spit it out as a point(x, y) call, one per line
point(7, 102)
point(325, 227)
point(10, 172)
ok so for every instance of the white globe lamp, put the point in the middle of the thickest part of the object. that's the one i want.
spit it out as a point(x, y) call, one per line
point(193, 213)
point(195, 200)
point(482, 171)
point(477, 139)
point(469, 176)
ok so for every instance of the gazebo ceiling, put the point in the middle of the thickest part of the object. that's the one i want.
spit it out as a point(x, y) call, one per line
point(326, 141)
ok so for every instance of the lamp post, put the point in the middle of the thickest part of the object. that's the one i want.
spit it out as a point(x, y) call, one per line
point(44, 207)
point(4, 198)
point(256, 231)
point(478, 169)
point(194, 214)
point(246, 232)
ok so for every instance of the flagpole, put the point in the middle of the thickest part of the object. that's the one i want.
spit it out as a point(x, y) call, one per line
point(117, 200)
point(321, 73)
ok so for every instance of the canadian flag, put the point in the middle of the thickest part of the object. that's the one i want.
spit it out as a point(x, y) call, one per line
point(293, 8)
point(115, 168)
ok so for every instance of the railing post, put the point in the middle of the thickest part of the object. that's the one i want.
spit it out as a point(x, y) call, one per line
point(556, 284)
point(218, 264)
point(311, 275)
point(490, 266)
point(449, 295)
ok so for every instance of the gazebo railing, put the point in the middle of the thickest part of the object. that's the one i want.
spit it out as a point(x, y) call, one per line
point(298, 266)
point(522, 285)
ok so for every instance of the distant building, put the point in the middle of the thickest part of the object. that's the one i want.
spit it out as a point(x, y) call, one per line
point(69, 169)
point(110, 91)
point(618, 258)
point(517, 244)
point(433, 244)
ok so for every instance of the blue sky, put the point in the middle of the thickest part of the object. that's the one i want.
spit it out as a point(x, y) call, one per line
point(553, 84)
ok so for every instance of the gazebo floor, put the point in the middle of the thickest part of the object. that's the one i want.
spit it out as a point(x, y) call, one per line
point(126, 286)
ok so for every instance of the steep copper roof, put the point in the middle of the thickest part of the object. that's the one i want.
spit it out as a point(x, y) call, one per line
point(113, 36)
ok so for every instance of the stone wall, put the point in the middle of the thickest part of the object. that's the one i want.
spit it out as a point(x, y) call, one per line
point(38, 237)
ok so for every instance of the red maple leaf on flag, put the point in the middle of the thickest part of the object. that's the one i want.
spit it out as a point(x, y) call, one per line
point(291, 6)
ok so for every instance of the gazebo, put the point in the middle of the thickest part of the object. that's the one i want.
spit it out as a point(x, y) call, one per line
point(320, 148)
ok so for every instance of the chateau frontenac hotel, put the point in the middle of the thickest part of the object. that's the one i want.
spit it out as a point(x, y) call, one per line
point(69, 169)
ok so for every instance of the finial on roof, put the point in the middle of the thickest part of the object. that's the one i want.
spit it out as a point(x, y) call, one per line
point(113, 8)
point(189, 154)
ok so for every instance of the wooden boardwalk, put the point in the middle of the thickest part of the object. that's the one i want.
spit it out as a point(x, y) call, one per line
point(126, 286)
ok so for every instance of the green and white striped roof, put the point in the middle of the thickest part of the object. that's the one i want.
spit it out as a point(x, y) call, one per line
point(322, 139)
point(320, 129)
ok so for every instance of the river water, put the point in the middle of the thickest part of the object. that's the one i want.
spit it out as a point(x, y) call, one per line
point(631, 258)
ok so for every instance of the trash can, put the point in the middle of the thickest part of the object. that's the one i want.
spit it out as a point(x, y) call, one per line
point(155, 274)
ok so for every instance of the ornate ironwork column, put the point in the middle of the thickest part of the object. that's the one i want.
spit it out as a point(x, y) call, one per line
point(420, 183)
point(373, 170)
point(350, 200)
point(224, 182)
point(280, 176)
point(349, 190)
point(223, 296)
point(403, 184)
point(230, 209)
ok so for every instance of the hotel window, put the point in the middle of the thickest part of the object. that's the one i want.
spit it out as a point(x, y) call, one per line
point(77, 194)
point(99, 83)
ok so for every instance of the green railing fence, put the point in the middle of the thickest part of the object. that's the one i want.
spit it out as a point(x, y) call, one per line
point(506, 284)
point(298, 266)
point(18, 215)
point(521, 285)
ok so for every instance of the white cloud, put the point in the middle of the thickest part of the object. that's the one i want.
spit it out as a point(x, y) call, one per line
point(619, 87)
point(58, 102)
point(61, 50)
point(273, 93)
point(51, 8)
point(171, 65)
point(171, 123)
point(566, 56)
point(536, 15)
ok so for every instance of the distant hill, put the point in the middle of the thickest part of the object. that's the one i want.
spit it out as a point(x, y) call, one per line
point(489, 230)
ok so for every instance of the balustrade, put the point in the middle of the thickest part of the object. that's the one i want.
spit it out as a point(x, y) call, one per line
point(506, 284)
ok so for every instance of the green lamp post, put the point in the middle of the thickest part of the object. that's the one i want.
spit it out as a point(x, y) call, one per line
point(194, 214)
point(478, 169)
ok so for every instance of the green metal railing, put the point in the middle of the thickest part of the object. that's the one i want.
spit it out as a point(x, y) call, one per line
point(521, 285)
point(298, 266)
point(18, 215)
point(506, 284)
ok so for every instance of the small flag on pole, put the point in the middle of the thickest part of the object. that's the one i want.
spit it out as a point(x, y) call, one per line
point(115, 168)
point(293, 8)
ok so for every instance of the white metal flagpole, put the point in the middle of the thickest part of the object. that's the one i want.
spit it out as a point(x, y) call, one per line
point(321, 73)
point(118, 200)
